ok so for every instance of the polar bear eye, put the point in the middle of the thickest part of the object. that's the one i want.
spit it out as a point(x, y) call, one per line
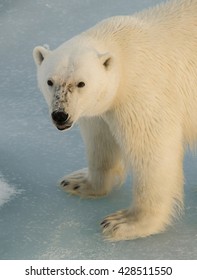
point(81, 84)
point(50, 83)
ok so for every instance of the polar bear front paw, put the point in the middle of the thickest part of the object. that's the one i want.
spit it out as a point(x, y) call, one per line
point(77, 183)
point(126, 225)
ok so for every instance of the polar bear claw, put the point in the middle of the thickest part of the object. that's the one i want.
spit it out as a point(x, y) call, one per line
point(77, 183)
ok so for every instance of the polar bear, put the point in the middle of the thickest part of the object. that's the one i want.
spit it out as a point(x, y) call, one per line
point(131, 84)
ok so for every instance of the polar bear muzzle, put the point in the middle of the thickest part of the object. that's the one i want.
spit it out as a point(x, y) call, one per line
point(61, 119)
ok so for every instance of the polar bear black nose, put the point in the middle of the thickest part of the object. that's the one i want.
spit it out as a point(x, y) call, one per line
point(59, 116)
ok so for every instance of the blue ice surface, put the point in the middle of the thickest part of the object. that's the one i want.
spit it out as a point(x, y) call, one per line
point(41, 221)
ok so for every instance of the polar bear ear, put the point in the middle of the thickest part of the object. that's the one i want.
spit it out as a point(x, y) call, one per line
point(39, 54)
point(106, 59)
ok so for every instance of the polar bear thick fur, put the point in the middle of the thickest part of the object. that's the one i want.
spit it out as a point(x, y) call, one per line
point(131, 84)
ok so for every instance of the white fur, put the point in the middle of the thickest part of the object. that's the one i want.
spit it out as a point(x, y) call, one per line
point(137, 111)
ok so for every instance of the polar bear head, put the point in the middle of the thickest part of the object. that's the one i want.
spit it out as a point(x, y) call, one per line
point(76, 82)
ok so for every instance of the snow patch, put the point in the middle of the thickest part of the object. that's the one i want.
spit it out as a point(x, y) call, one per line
point(7, 191)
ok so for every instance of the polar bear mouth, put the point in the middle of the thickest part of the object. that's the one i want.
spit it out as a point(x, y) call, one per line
point(61, 119)
point(62, 126)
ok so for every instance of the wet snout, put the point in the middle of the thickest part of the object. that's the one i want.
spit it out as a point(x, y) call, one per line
point(61, 119)
point(59, 116)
